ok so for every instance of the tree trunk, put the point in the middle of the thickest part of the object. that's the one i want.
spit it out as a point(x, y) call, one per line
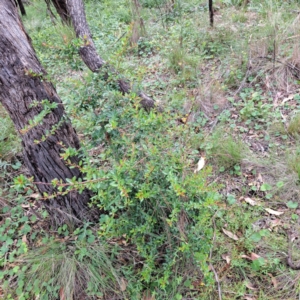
point(74, 9)
point(60, 6)
point(211, 12)
point(22, 81)
point(21, 6)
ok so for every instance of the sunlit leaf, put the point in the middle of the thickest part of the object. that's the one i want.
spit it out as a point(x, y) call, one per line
point(230, 234)
point(250, 201)
point(200, 165)
point(274, 212)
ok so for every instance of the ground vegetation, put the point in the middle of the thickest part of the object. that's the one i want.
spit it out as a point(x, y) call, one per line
point(199, 196)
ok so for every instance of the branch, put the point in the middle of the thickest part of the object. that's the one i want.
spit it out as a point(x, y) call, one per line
point(73, 12)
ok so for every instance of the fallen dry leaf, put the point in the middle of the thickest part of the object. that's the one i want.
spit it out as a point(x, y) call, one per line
point(226, 257)
point(123, 284)
point(230, 234)
point(245, 256)
point(62, 294)
point(259, 178)
point(274, 212)
point(274, 281)
point(290, 97)
point(184, 120)
point(250, 201)
point(35, 195)
point(24, 239)
point(254, 256)
point(250, 286)
point(275, 223)
point(200, 165)
point(147, 296)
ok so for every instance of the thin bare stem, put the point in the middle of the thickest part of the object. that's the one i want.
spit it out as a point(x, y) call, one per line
point(210, 257)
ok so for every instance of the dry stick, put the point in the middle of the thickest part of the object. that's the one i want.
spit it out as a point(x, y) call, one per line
point(245, 77)
point(71, 184)
point(289, 65)
point(292, 37)
point(210, 257)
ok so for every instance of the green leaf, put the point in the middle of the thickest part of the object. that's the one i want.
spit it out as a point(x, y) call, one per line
point(178, 297)
point(265, 187)
point(269, 196)
point(187, 283)
point(231, 199)
point(255, 237)
point(33, 218)
point(91, 239)
point(20, 283)
point(292, 204)
point(258, 263)
point(16, 166)
point(280, 184)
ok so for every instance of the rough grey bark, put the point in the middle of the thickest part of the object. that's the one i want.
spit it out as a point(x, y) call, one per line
point(73, 11)
point(22, 81)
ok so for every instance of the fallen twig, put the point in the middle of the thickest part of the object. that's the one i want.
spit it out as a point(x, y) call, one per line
point(210, 257)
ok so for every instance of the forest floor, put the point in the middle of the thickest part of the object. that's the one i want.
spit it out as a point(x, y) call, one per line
point(235, 86)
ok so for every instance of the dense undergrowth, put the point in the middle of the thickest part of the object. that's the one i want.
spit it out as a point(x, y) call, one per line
point(170, 228)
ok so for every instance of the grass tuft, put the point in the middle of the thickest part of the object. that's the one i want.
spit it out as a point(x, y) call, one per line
point(72, 270)
point(294, 127)
point(294, 162)
point(226, 150)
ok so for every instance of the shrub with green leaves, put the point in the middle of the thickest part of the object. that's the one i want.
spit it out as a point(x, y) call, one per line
point(144, 182)
point(161, 233)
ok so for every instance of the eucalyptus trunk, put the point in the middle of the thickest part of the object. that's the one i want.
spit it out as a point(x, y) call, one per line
point(23, 87)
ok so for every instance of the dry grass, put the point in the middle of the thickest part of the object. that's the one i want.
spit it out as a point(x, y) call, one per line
point(211, 98)
point(79, 270)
